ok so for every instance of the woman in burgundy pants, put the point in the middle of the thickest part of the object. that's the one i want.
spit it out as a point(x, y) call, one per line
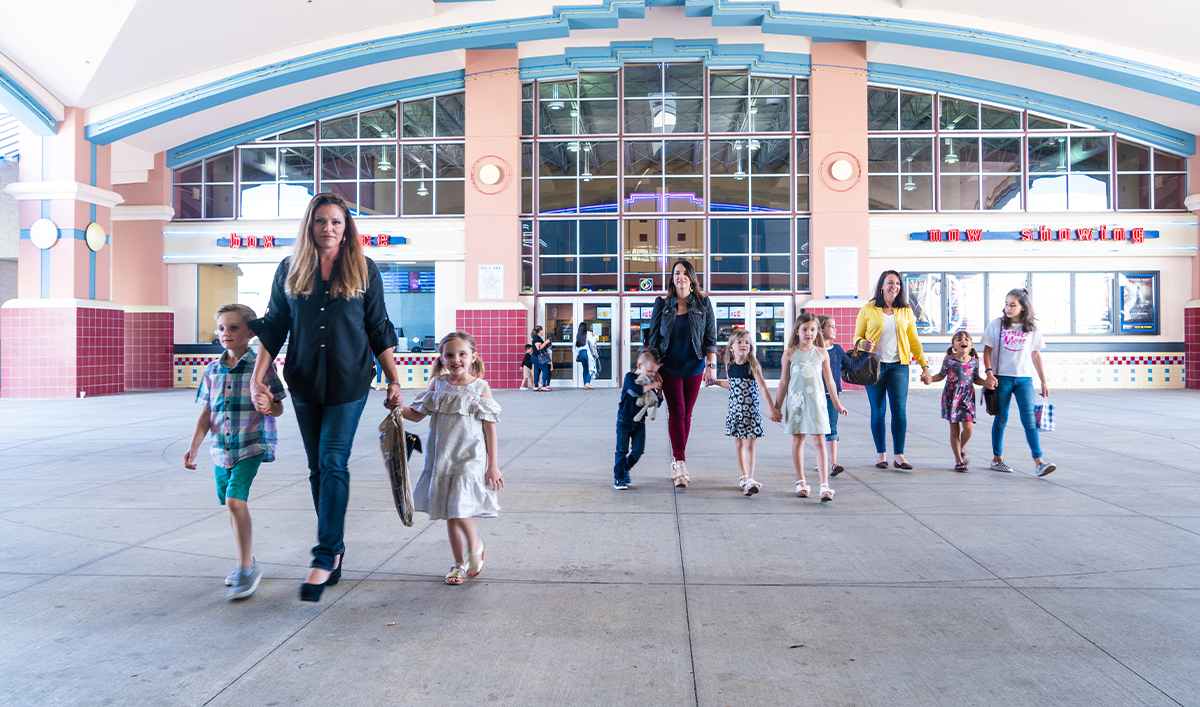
point(684, 330)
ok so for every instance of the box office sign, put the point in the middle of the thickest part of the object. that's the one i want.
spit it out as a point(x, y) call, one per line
point(1041, 233)
point(238, 240)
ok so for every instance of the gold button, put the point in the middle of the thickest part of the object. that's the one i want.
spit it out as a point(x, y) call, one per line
point(322, 326)
point(322, 345)
point(322, 309)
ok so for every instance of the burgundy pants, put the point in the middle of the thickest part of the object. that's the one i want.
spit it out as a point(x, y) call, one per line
point(681, 398)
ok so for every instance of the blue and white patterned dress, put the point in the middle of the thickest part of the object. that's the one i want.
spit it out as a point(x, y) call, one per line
point(744, 419)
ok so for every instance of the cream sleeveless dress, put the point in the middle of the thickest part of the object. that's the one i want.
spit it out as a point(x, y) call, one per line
point(452, 483)
point(806, 411)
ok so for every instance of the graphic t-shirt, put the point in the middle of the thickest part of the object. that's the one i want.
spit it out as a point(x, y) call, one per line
point(1012, 349)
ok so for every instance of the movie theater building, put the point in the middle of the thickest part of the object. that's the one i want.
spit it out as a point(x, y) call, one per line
point(513, 164)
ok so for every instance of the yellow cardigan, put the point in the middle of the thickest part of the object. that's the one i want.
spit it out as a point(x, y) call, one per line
point(870, 326)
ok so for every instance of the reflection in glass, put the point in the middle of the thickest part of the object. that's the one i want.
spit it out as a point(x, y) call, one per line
point(999, 285)
point(882, 109)
point(1052, 301)
point(340, 128)
point(924, 293)
point(959, 115)
point(1133, 191)
point(378, 124)
point(1093, 303)
point(964, 303)
point(802, 255)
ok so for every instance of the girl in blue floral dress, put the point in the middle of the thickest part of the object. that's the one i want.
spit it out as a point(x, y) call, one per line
point(960, 369)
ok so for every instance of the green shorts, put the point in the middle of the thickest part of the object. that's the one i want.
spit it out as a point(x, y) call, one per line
point(235, 482)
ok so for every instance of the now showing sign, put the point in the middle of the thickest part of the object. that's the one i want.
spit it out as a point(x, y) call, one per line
point(1041, 233)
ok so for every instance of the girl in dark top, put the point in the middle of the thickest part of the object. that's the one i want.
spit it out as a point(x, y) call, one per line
point(328, 298)
point(541, 359)
point(838, 360)
point(684, 328)
point(744, 420)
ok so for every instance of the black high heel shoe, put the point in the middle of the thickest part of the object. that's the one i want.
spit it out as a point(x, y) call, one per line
point(336, 575)
point(311, 592)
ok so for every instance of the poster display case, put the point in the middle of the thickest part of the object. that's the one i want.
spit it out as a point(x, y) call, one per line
point(1139, 302)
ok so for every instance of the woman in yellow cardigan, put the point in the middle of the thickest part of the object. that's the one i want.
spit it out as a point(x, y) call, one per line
point(886, 326)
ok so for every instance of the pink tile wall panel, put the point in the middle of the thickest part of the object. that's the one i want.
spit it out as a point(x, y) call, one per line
point(58, 352)
point(1191, 347)
point(500, 335)
point(100, 336)
point(149, 350)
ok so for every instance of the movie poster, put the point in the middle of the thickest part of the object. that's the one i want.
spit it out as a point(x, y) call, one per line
point(924, 294)
point(1139, 302)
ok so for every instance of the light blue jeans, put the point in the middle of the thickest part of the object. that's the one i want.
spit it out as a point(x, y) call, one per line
point(1022, 388)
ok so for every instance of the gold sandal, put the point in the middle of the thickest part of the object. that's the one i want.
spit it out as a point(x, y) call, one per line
point(456, 574)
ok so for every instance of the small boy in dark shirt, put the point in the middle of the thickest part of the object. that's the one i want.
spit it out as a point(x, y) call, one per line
point(631, 434)
point(527, 368)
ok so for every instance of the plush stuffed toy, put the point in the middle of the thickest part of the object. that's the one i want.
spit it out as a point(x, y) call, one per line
point(649, 400)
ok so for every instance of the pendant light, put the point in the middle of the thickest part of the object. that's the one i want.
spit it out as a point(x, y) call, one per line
point(910, 185)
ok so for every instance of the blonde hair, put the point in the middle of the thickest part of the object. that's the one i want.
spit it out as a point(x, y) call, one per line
point(736, 336)
point(241, 310)
point(804, 318)
point(476, 367)
point(349, 277)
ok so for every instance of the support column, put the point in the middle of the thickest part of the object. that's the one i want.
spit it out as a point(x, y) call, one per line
point(1191, 310)
point(140, 278)
point(63, 337)
point(493, 313)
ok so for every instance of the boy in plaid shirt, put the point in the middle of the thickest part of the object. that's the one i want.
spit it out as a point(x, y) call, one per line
point(241, 437)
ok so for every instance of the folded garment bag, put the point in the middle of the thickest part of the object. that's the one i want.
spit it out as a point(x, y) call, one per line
point(1044, 414)
point(397, 446)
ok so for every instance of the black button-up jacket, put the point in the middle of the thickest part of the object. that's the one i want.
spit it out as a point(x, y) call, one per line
point(332, 340)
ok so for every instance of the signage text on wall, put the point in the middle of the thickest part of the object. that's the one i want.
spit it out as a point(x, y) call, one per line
point(236, 240)
point(1041, 233)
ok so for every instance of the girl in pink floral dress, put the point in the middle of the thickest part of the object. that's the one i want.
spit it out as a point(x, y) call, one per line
point(960, 369)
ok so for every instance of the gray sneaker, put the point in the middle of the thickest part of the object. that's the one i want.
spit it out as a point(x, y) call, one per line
point(1045, 468)
point(245, 584)
point(1001, 466)
point(234, 574)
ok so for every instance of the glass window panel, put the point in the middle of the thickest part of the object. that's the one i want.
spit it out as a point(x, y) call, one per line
point(644, 194)
point(643, 274)
point(417, 161)
point(1169, 191)
point(348, 191)
point(1133, 191)
point(558, 275)
point(526, 90)
point(770, 86)
point(770, 272)
point(526, 253)
point(191, 175)
point(259, 200)
point(924, 293)
point(1048, 154)
point(683, 157)
point(451, 115)
point(377, 198)
point(1051, 292)
point(1090, 154)
point(526, 196)
point(598, 85)
point(219, 169)
point(916, 111)
point(556, 196)
point(993, 118)
point(597, 237)
point(729, 193)
point(643, 158)
point(307, 132)
point(770, 235)
point(1048, 192)
point(723, 157)
point(685, 79)
point(188, 202)
point(964, 303)
point(1093, 303)
point(1132, 157)
point(639, 116)
point(999, 285)
point(882, 155)
point(527, 159)
point(729, 272)
point(598, 118)
point(258, 164)
point(558, 118)
point(1001, 154)
point(883, 193)
point(802, 193)
point(684, 237)
point(558, 159)
point(412, 202)
point(1002, 193)
point(598, 274)
point(558, 238)
point(959, 154)
point(1137, 303)
point(375, 162)
point(729, 236)
point(378, 123)
point(294, 198)
point(450, 199)
point(769, 114)
point(689, 117)
point(960, 192)
point(450, 158)
point(802, 255)
point(882, 109)
point(527, 119)
point(642, 237)
point(959, 115)
point(598, 196)
point(920, 150)
point(770, 156)
point(1037, 122)
point(560, 91)
point(802, 156)
point(1166, 162)
point(1088, 192)
point(339, 162)
point(728, 115)
point(728, 83)
point(685, 194)
point(770, 193)
point(602, 158)
point(218, 201)
point(298, 163)
point(641, 80)
point(418, 118)
point(916, 193)
point(340, 128)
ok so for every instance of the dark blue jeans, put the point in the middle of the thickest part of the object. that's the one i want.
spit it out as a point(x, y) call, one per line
point(893, 383)
point(328, 433)
point(1022, 388)
point(631, 442)
point(541, 374)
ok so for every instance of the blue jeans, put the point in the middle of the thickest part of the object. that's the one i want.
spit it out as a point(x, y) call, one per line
point(629, 434)
point(893, 383)
point(328, 433)
point(1022, 388)
point(833, 420)
point(587, 369)
point(541, 372)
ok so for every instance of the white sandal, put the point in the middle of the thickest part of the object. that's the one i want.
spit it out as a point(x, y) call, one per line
point(826, 493)
point(475, 561)
point(802, 488)
point(456, 574)
point(752, 487)
point(679, 475)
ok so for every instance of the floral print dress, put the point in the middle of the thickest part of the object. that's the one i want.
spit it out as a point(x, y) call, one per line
point(958, 395)
point(805, 405)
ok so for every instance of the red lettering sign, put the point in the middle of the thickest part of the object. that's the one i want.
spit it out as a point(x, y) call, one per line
point(268, 241)
point(235, 241)
point(1064, 234)
point(1044, 234)
point(1084, 234)
point(935, 235)
point(974, 234)
point(952, 235)
point(1137, 235)
point(1118, 234)
point(383, 239)
point(1103, 232)
point(364, 239)
point(1026, 234)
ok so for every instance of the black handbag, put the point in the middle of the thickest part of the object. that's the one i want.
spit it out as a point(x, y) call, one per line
point(991, 400)
point(867, 374)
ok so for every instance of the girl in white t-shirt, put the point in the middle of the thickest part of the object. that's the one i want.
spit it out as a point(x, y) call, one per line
point(1012, 344)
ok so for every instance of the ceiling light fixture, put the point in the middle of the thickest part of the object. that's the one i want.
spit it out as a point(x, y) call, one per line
point(950, 157)
point(910, 185)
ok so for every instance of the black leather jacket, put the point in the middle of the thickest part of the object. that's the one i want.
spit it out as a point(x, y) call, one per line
point(703, 321)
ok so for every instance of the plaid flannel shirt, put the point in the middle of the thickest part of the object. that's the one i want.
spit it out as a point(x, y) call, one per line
point(238, 430)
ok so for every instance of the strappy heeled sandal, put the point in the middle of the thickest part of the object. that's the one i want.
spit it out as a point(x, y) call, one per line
point(752, 487)
point(802, 488)
point(826, 493)
point(456, 574)
point(475, 561)
point(679, 475)
point(742, 482)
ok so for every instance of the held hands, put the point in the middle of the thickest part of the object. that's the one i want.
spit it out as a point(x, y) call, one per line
point(395, 397)
point(926, 376)
point(868, 345)
point(991, 382)
point(261, 395)
point(775, 416)
point(493, 478)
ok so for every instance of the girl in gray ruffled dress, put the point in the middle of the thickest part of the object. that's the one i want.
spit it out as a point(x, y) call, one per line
point(461, 474)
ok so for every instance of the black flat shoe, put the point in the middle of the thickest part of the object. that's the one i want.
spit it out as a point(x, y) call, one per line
point(335, 576)
point(311, 592)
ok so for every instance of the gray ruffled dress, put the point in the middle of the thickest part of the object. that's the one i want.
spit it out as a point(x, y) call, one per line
point(452, 483)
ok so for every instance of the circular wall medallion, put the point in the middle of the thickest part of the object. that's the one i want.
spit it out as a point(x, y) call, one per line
point(43, 233)
point(841, 170)
point(95, 236)
point(490, 175)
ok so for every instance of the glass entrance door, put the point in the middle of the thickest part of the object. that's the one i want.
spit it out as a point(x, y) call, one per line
point(769, 320)
point(637, 318)
point(560, 316)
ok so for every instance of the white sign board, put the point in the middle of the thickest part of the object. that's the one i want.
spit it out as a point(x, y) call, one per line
point(841, 272)
point(491, 282)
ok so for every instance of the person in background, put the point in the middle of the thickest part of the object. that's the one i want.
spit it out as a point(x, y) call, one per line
point(527, 368)
point(541, 359)
point(587, 354)
point(838, 361)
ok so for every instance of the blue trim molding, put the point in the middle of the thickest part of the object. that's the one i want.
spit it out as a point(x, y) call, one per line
point(607, 15)
point(19, 102)
point(709, 51)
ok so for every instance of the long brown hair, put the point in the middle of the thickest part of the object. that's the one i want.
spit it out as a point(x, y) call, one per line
point(1022, 296)
point(901, 300)
point(738, 335)
point(691, 273)
point(804, 318)
point(349, 277)
point(476, 367)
